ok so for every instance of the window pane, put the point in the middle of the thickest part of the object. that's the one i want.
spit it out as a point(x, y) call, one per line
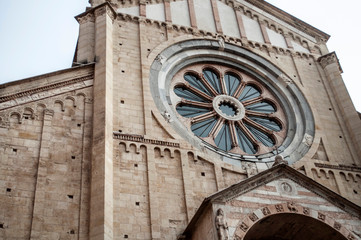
point(267, 123)
point(186, 94)
point(248, 93)
point(213, 79)
point(196, 83)
point(190, 111)
point(202, 129)
point(263, 107)
point(244, 143)
point(223, 139)
point(260, 136)
point(232, 82)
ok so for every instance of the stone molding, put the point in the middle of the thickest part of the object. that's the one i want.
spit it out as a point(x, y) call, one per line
point(328, 59)
point(44, 91)
point(268, 8)
point(289, 207)
point(141, 139)
point(170, 60)
point(213, 35)
point(99, 10)
point(89, 17)
point(339, 167)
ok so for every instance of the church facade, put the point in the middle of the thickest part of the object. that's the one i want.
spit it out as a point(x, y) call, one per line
point(185, 119)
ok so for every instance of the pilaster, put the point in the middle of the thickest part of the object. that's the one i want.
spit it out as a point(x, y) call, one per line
point(37, 222)
point(101, 202)
point(348, 113)
point(85, 48)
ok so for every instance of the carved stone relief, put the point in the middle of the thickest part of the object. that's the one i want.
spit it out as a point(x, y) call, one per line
point(221, 225)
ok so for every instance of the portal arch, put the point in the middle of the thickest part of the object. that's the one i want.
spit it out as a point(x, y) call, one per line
point(289, 221)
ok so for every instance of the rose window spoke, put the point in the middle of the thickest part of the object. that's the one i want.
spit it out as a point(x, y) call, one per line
point(267, 123)
point(191, 111)
point(244, 142)
point(202, 129)
point(213, 79)
point(223, 139)
point(228, 113)
point(232, 83)
point(263, 107)
point(249, 92)
point(189, 95)
point(260, 136)
point(197, 83)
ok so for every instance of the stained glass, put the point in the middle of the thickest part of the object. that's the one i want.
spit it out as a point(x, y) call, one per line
point(218, 126)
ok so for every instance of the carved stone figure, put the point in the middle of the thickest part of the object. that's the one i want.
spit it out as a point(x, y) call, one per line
point(221, 225)
point(167, 116)
point(251, 169)
point(307, 140)
point(221, 43)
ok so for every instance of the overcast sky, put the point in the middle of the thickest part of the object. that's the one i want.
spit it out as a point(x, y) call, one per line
point(39, 36)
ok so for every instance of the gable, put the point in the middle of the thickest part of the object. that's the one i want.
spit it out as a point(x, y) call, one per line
point(279, 190)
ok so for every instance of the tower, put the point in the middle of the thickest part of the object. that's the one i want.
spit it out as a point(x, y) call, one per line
point(189, 119)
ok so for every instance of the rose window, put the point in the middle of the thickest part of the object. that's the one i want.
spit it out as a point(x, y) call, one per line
point(229, 110)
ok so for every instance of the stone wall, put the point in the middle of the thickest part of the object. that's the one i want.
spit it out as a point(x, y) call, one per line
point(147, 181)
point(45, 160)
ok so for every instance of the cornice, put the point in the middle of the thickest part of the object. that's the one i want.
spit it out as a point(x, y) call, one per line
point(42, 76)
point(328, 59)
point(44, 88)
point(94, 12)
point(290, 19)
point(339, 167)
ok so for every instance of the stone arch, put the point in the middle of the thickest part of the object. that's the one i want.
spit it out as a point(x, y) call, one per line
point(72, 99)
point(134, 148)
point(344, 176)
point(28, 113)
point(15, 117)
point(351, 177)
point(253, 219)
point(234, 56)
point(60, 103)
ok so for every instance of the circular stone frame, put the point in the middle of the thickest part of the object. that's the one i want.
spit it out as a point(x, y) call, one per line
point(237, 104)
point(298, 113)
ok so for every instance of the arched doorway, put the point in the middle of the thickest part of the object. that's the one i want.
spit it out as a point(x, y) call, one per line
point(290, 226)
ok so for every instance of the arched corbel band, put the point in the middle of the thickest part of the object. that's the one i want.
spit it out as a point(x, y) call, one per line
point(298, 119)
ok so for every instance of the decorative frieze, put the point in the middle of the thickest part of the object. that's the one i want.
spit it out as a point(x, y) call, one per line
point(45, 91)
point(339, 167)
point(141, 139)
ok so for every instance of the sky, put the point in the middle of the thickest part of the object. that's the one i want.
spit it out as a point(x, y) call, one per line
point(39, 36)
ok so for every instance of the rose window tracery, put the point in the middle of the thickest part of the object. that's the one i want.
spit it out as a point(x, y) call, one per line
point(229, 110)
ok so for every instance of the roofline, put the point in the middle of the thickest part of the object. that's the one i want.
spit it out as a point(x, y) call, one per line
point(290, 19)
point(50, 74)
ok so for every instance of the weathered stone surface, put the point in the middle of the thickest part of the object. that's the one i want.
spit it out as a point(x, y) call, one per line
point(86, 152)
